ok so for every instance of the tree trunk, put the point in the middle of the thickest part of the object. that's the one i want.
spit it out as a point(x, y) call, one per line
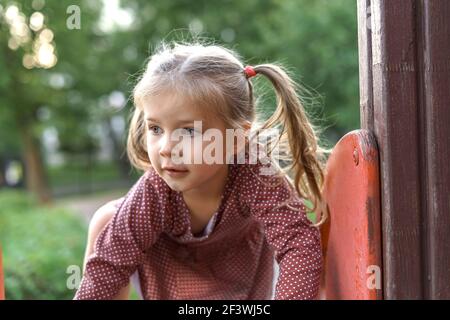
point(35, 177)
point(119, 154)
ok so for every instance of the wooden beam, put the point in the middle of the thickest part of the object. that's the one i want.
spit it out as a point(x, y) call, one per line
point(405, 88)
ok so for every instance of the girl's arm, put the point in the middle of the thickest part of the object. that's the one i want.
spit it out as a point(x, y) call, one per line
point(98, 222)
point(121, 245)
point(297, 244)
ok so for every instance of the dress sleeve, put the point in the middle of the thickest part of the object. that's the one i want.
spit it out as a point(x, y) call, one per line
point(296, 242)
point(121, 245)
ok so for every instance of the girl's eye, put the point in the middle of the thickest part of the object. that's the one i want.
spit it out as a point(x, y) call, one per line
point(154, 129)
point(190, 131)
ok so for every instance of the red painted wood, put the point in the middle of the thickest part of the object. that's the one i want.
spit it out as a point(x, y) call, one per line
point(352, 235)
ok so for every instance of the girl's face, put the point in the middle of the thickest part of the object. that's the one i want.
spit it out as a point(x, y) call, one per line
point(174, 141)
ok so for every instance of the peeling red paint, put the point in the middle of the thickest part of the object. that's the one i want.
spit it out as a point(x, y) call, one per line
point(351, 238)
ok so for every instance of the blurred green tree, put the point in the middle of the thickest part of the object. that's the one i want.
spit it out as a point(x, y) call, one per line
point(46, 79)
point(317, 40)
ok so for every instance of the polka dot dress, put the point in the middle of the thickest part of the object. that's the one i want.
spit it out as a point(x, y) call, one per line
point(150, 235)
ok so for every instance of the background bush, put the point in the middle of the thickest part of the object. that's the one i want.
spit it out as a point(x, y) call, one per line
point(38, 243)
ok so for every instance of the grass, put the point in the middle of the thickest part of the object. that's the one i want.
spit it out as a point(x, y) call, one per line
point(39, 244)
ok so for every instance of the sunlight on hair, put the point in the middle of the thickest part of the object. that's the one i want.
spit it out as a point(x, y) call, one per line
point(214, 77)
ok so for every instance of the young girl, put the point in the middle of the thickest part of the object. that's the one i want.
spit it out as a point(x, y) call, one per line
point(195, 230)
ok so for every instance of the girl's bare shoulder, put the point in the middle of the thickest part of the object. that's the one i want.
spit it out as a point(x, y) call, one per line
point(104, 213)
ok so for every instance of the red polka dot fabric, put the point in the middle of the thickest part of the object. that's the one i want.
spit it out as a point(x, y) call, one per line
point(150, 234)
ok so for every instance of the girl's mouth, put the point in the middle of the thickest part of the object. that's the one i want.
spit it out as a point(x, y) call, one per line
point(176, 173)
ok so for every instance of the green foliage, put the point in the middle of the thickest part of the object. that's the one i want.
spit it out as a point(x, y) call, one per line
point(77, 172)
point(311, 215)
point(25, 93)
point(38, 245)
point(317, 40)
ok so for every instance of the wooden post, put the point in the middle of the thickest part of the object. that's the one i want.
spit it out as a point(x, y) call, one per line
point(405, 100)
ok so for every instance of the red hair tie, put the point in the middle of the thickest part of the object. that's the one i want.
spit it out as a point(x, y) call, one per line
point(249, 72)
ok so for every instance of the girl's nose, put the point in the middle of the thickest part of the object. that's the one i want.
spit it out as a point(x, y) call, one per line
point(168, 146)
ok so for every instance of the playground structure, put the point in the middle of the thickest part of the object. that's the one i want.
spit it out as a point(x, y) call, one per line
point(404, 57)
point(387, 185)
point(351, 236)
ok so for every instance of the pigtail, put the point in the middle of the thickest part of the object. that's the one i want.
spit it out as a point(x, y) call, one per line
point(297, 141)
point(215, 77)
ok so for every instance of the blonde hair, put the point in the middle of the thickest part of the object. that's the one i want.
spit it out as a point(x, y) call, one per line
point(213, 76)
